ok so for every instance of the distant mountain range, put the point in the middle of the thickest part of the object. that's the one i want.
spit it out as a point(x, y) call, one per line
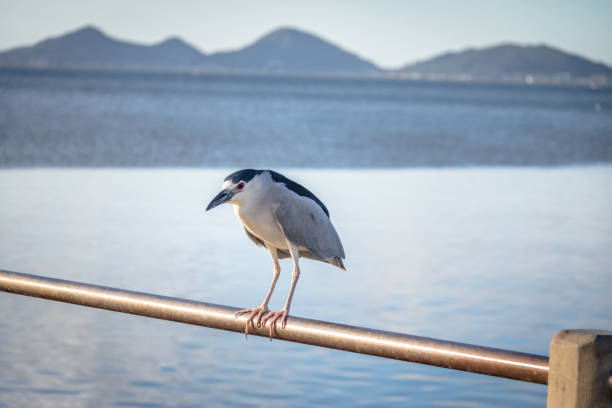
point(291, 51)
point(284, 50)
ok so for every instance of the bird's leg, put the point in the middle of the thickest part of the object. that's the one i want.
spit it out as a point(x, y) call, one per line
point(261, 310)
point(284, 312)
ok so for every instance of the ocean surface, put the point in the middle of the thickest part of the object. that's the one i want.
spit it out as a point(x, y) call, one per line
point(473, 213)
point(62, 118)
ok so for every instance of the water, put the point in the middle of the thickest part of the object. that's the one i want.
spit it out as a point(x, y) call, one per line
point(502, 257)
point(111, 119)
point(473, 213)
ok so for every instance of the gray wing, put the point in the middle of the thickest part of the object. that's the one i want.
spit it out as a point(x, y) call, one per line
point(305, 224)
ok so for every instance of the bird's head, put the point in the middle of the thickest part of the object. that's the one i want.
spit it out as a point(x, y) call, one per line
point(236, 187)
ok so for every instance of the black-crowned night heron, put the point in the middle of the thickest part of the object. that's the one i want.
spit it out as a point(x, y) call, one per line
point(285, 218)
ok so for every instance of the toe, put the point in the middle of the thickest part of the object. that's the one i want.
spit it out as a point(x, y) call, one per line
point(260, 316)
point(273, 323)
point(284, 319)
point(267, 317)
point(243, 311)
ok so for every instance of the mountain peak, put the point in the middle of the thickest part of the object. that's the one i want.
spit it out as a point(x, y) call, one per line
point(290, 50)
point(288, 36)
point(176, 48)
point(508, 61)
point(287, 31)
point(88, 47)
point(174, 42)
point(86, 32)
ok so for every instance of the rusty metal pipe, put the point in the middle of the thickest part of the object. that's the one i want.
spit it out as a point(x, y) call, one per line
point(423, 350)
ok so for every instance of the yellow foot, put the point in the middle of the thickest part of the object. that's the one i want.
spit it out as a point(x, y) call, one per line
point(273, 317)
point(259, 311)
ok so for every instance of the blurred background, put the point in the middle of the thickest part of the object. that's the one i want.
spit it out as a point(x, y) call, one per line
point(464, 151)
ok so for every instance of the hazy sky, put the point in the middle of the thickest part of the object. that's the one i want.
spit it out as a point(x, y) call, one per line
point(390, 33)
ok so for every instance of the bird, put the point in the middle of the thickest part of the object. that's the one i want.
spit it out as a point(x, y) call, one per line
point(289, 221)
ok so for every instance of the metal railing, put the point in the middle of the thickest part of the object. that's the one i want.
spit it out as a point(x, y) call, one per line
point(423, 350)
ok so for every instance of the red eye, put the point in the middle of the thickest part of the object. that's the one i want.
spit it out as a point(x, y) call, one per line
point(240, 186)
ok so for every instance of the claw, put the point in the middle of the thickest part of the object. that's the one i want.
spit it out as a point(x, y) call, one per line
point(261, 315)
point(273, 317)
point(259, 311)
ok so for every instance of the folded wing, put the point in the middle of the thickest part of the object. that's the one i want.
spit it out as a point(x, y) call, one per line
point(305, 224)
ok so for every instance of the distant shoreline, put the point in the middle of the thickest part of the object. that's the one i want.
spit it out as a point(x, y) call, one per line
point(593, 83)
point(466, 167)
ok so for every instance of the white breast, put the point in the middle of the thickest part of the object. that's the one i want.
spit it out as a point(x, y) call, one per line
point(261, 224)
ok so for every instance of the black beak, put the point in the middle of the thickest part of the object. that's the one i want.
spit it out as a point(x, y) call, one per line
point(220, 198)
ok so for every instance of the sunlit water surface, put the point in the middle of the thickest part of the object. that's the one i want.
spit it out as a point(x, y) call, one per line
point(72, 118)
point(502, 257)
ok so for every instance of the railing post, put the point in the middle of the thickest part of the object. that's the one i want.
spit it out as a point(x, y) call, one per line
point(580, 368)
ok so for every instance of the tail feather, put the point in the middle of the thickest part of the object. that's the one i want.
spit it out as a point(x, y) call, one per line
point(337, 262)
